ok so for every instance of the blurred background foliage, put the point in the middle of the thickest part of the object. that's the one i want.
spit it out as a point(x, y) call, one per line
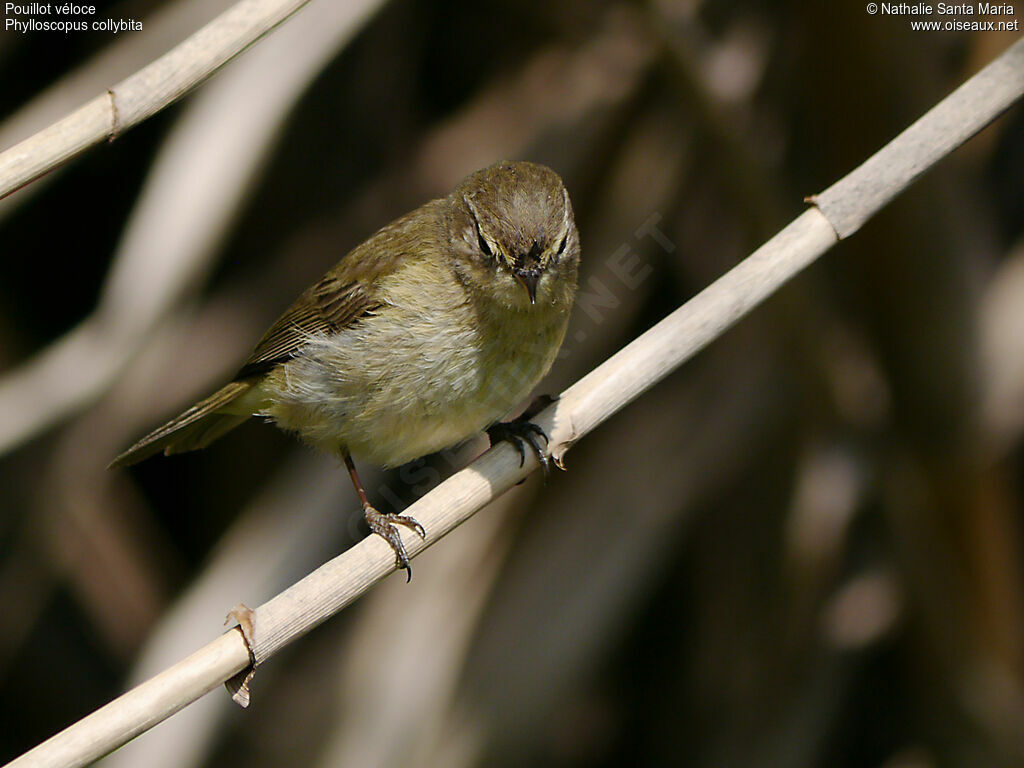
point(802, 549)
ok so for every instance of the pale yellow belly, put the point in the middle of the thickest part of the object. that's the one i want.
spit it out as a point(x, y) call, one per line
point(388, 391)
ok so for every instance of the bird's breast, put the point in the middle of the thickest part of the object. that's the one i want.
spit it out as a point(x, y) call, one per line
point(413, 377)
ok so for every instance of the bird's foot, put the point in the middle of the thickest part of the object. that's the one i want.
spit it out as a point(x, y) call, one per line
point(522, 432)
point(386, 526)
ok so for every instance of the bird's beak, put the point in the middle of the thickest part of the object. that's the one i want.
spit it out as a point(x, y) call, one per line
point(528, 279)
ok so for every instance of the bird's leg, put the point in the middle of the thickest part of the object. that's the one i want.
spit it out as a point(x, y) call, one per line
point(522, 431)
point(384, 525)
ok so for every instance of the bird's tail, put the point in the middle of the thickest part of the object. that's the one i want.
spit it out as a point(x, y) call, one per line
point(196, 428)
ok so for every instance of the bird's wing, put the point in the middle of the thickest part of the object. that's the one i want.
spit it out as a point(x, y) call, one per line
point(341, 297)
point(328, 306)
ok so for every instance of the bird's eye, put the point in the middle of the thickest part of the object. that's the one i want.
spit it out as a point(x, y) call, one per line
point(483, 243)
point(561, 245)
point(484, 247)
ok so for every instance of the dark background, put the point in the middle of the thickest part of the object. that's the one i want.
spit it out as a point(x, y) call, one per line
point(801, 549)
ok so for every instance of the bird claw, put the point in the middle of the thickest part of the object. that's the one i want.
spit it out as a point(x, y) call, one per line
point(386, 526)
point(521, 432)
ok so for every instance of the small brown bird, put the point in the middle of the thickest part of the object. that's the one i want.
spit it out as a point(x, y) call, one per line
point(428, 332)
